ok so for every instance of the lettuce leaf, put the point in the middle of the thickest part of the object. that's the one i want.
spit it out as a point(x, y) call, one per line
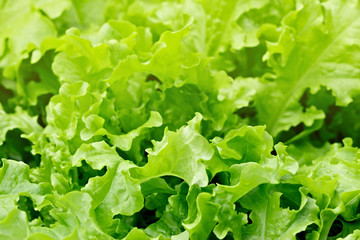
point(179, 119)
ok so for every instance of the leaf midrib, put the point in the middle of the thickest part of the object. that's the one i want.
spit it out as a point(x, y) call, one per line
point(274, 119)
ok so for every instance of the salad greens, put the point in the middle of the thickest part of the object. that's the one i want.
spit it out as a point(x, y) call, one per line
point(179, 119)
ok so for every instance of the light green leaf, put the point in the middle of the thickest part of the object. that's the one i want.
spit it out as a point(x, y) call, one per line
point(52, 9)
point(312, 51)
point(178, 154)
point(247, 144)
point(202, 225)
point(21, 120)
point(270, 221)
point(124, 142)
point(23, 30)
point(115, 192)
point(76, 217)
point(10, 226)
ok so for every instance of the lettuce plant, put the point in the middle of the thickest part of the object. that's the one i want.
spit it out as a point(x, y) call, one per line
point(179, 119)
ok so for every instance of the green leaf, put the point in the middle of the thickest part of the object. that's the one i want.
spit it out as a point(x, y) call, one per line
point(270, 221)
point(334, 174)
point(21, 120)
point(222, 27)
point(178, 154)
point(76, 214)
point(350, 230)
point(354, 235)
point(247, 144)
point(228, 219)
point(9, 227)
point(77, 59)
point(312, 51)
point(170, 223)
point(53, 10)
point(166, 62)
point(124, 142)
point(135, 234)
point(247, 176)
point(24, 28)
point(164, 119)
point(14, 178)
point(202, 225)
point(115, 192)
point(156, 185)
